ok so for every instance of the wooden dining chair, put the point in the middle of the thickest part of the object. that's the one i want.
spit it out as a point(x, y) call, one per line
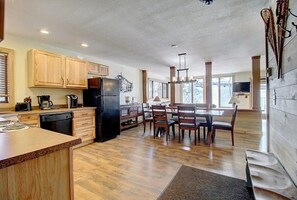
point(229, 126)
point(187, 121)
point(147, 117)
point(204, 122)
point(160, 120)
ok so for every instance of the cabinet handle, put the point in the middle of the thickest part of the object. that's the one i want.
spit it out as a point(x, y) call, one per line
point(85, 124)
point(67, 82)
point(62, 80)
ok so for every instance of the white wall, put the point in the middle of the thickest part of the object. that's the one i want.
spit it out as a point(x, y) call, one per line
point(22, 45)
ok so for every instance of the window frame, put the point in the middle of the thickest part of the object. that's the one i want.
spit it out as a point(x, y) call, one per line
point(164, 85)
point(219, 86)
point(10, 77)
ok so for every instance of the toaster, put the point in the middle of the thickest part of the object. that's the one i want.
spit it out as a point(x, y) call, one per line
point(23, 106)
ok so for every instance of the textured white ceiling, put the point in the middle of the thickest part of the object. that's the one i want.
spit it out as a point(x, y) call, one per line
point(139, 33)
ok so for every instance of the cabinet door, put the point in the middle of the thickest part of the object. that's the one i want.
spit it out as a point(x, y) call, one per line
point(29, 119)
point(76, 73)
point(45, 69)
point(103, 70)
point(93, 68)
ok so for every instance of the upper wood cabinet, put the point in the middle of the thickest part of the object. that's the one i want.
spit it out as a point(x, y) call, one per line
point(45, 69)
point(98, 69)
point(56, 71)
point(76, 73)
point(1, 20)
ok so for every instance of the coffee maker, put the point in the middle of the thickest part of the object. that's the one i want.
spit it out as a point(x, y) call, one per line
point(71, 101)
point(44, 102)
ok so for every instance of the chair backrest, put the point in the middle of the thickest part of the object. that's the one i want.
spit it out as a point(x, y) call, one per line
point(234, 116)
point(186, 115)
point(159, 113)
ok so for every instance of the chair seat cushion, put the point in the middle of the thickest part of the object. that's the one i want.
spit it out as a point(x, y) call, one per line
point(226, 125)
point(169, 122)
point(149, 119)
point(186, 125)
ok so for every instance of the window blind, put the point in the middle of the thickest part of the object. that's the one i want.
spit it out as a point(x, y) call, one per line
point(3, 77)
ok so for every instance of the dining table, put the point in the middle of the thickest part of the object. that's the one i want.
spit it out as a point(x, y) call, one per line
point(207, 113)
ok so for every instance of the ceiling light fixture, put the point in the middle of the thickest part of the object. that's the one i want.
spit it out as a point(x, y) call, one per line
point(207, 2)
point(44, 31)
point(84, 45)
point(182, 69)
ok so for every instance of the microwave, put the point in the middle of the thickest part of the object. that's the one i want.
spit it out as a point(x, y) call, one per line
point(23, 106)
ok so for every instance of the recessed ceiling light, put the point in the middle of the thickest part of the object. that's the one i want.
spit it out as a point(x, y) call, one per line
point(174, 45)
point(84, 45)
point(44, 31)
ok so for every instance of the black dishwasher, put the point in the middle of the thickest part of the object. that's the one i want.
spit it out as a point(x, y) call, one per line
point(58, 122)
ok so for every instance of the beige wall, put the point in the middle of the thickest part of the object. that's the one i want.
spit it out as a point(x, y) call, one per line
point(22, 45)
point(283, 104)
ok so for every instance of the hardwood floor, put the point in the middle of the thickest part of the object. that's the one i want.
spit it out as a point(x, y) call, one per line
point(136, 166)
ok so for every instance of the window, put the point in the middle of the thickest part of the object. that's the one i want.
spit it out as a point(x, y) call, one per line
point(6, 77)
point(158, 88)
point(193, 92)
point(222, 91)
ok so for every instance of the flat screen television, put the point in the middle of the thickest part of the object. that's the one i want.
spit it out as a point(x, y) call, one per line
point(241, 87)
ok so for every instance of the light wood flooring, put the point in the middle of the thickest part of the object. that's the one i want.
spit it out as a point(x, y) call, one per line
point(136, 166)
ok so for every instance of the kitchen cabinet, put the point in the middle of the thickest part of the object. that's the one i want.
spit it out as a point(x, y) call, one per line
point(76, 73)
point(98, 69)
point(130, 115)
point(2, 20)
point(29, 119)
point(51, 70)
point(36, 164)
point(83, 125)
point(45, 69)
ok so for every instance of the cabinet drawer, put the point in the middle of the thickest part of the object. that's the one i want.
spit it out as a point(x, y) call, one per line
point(30, 119)
point(83, 113)
point(85, 134)
point(83, 122)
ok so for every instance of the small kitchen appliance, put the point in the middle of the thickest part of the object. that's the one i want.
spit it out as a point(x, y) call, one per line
point(44, 102)
point(71, 101)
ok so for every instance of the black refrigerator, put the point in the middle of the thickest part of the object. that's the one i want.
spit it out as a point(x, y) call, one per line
point(104, 94)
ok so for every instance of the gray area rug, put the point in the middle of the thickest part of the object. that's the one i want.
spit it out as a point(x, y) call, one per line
point(191, 183)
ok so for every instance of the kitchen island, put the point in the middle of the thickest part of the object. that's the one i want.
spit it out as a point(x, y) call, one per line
point(36, 164)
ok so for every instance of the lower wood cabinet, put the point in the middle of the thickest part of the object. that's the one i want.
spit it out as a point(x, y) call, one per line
point(83, 125)
point(29, 119)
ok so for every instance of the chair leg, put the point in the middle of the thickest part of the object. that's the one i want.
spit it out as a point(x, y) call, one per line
point(150, 125)
point(213, 134)
point(154, 132)
point(232, 135)
point(204, 132)
point(195, 137)
point(144, 125)
point(178, 135)
point(173, 131)
point(199, 133)
point(167, 133)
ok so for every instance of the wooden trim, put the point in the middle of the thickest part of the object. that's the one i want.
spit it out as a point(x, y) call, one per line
point(10, 65)
point(144, 86)
point(256, 82)
point(172, 85)
point(2, 15)
point(208, 83)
